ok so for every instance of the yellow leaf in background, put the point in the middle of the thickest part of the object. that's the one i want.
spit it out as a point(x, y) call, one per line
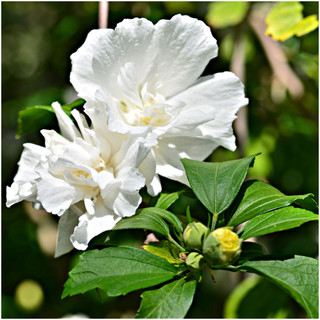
point(226, 14)
point(307, 25)
point(286, 20)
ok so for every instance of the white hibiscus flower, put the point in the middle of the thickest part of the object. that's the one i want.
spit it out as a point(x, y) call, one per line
point(88, 176)
point(147, 75)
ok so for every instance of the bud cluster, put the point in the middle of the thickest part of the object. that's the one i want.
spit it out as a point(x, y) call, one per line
point(219, 247)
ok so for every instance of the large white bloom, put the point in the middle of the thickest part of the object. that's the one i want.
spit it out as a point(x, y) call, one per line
point(148, 75)
point(88, 176)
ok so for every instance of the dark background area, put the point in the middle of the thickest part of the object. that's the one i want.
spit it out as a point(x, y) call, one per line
point(37, 41)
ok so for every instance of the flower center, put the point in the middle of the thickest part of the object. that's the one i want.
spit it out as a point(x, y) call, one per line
point(151, 110)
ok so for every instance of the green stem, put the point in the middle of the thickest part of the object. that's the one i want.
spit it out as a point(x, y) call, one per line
point(214, 221)
point(176, 243)
point(229, 268)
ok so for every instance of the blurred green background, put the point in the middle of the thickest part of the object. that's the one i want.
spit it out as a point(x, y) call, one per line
point(37, 40)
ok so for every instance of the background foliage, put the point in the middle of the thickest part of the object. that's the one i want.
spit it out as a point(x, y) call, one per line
point(37, 40)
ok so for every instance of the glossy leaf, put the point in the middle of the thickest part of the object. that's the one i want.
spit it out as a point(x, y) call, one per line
point(164, 214)
point(216, 184)
point(170, 301)
point(297, 276)
point(277, 220)
point(118, 270)
point(38, 117)
point(144, 220)
point(286, 20)
point(225, 14)
point(167, 199)
point(257, 197)
point(165, 250)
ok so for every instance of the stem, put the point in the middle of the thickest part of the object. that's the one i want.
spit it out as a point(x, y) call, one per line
point(214, 221)
point(229, 268)
point(103, 14)
point(176, 243)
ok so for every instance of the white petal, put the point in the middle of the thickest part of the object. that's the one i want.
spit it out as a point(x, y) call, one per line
point(127, 203)
point(30, 157)
point(110, 192)
point(67, 223)
point(221, 94)
point(54, 141)
point(68, 129)
point(56, 195)
point(169, 152)
point(169, 56)
point(185, 46)
point(89, 205)
point(92, 225)
point(97, 63)
point(20, 191)
point(154, 187)
point(131, 178)
point(133, 152)
point(186, 123)
point(82, 124)
point(24, 185)
point(148, 169)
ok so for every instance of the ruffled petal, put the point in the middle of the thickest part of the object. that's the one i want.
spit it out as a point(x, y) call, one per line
point(186, 123)
point(169, 56)
point(127, 203)
point(24, 185)
point(67, 222)
point(184, 47)
point(154, 187)
point(222, 95)
point(56, 195)
point(133, 151)
point(68, 129)
point(170, 151)
point(92, 225)
point(97, 62)
point(148, 170)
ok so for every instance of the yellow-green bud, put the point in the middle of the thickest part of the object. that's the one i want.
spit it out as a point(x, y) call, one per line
point(221, 247)
point(194, 235)
point(195, 261)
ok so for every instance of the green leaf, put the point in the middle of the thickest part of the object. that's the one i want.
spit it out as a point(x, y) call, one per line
point(166, 215)
point(277, 220)
point(297, 276)
point(167, 199)
point(286, 20)
point(38, 117)
point(165, 250)
point(225, 14)
point(118, 270)
point(170, 301)
point(257, 197)
point(216, 184)
point(144, 220)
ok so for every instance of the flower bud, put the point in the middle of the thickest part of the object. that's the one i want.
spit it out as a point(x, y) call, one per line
point(221, 247)
point(195, 261)
point(194, 235)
